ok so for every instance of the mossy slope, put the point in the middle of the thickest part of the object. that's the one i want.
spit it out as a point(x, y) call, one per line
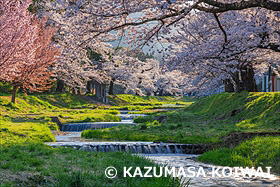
point(206, 120)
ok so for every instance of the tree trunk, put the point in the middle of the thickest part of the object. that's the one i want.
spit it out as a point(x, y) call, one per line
point(238, 84)
point(161, 92)
point(14, 93)
point(60, 85)
point(247, 77)
point(238, 89)
point(111, 88)
point(79, 91)
point(89, 86)
point(229, 87)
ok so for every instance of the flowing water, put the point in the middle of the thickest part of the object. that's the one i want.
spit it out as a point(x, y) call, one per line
point(209, 180)
point(78, 127)
point(133, 147)
point(177, 155)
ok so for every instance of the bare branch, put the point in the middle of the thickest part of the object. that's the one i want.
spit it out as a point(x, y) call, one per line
point(223, 7)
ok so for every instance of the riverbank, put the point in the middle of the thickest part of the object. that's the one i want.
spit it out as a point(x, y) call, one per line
point(199, 122)
point(25, 161)
point(36, 164)
point(210, 121)
point(207, 120)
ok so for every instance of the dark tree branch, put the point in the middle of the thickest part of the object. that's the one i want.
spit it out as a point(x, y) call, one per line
point(219, 6)
point(271, 46)
point(223, 30)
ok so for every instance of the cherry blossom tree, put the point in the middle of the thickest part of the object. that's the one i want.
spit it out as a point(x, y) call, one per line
point(27, 52)
point(133, 71)
point(225, 51)
point(171, 83)
point(16, 33)
point(146, 76)
point(221, 39)
point(77, 63)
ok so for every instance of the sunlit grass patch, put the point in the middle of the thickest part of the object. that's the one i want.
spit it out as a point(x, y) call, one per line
point(258, 152)
point(13, 132)
point(129, 99)
point(207, 119)
point(87, 115)
point(41, 103)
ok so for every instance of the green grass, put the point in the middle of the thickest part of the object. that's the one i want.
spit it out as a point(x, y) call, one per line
point(201, 121)
point(129, 99)
point(26, 162)
point(19, 132)
point(29, 119)
point(38, 164)
point(71, 108)
point(38, 102)
point(41, 103)
point(258, 152)
point(87, 115)
point(204, 121)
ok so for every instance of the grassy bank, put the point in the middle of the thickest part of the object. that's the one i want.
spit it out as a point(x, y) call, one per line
point(204, 121)
point(69, 107)
point(40, 165)
point(155, 101)
point(29, 119)
point(259, 152)
point(25, 161)
point(147, 104)
point(208, 120)
point(38, 102)
point(18, 132)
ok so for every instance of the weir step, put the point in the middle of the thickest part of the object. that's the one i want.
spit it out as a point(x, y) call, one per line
point(143, 148)
point(75, 127)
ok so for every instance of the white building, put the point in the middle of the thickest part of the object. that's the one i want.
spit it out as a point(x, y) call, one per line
point(271, 81)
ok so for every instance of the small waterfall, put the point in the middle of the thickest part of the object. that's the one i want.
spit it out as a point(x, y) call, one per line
point(126, 148)
point(146, 149)
point(177, 149)
point(139, 149)
point(125, 119)
point(168, 150)
point(101, 148)
point(113, 148)
point(107, 148)
point(133, 147)
point(151, 148)
point(76, 127)
point(158, 149)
